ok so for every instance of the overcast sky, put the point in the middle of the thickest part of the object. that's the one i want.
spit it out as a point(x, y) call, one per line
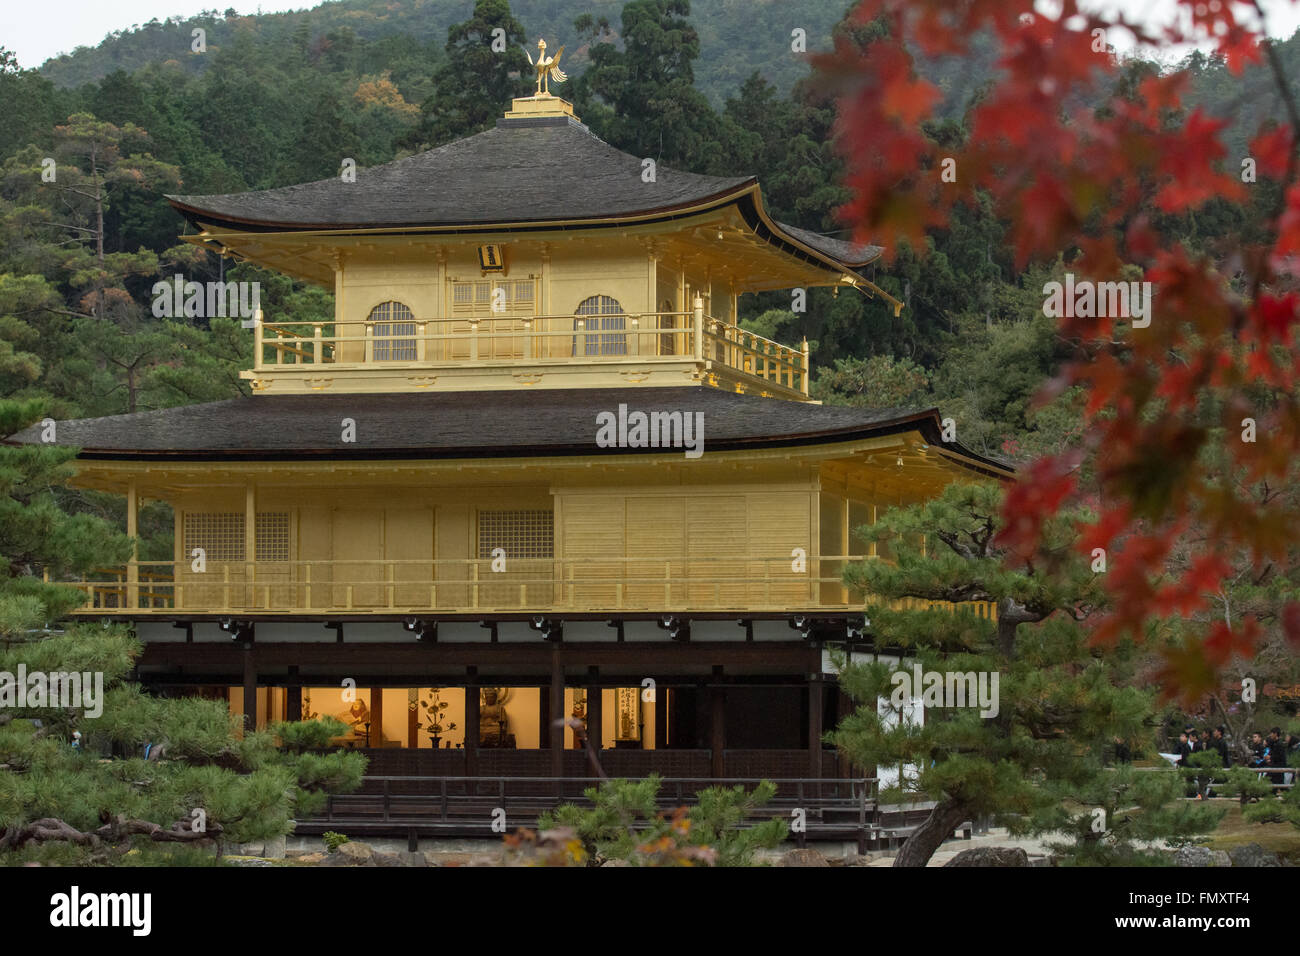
point(36, 31)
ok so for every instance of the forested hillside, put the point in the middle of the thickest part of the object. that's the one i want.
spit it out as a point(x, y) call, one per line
point(736, 36)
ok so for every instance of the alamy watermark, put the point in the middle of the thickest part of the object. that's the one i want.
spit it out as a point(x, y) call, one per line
point(83, 690)
point(946, 689)
point(639, 429)
point(1090, 300)
point(75, 909)
point(227, 300)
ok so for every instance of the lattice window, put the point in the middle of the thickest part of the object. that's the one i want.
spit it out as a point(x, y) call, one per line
point(272, 530)
point(221, 535)
point(476, 296)
point(602, 314)
point(523, 534)
point(393, 331)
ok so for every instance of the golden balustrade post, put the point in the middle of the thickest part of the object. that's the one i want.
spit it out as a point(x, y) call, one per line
point(370, 341)
point(806, 370)
point(699, 329)
point(420, 346)
point(257, 341)
point(317, 343)
point(473, 340)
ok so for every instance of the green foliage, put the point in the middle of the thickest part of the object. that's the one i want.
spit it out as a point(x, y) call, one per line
point(1060, 701)
point(407, 37)
point(717, 818)
point(475, 84)
point(333, 840)
point(243, 788)
point(299, 735)
point(880, 381)
point(1126, 815)
point(625, 823)
point(643, 96)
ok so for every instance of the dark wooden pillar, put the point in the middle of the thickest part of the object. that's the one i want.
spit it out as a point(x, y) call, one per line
point(250, 690)
point(471, 722)
point(815, 704)
point(718, 724)
point(595, 713)
point(557, 711)
point(293, 696)
point(376, 717)
point(412, 719)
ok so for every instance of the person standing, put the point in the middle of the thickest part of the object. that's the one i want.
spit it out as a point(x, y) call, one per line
point(1220, 744)
point(1275, 754)
point(1257, 748)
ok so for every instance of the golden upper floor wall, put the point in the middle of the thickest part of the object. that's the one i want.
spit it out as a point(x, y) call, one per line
point(413, 251)
point(765, 530)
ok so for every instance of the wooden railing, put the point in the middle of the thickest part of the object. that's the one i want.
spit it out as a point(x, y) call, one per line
point(839, 806)
point(442, 342)
point(739, 583)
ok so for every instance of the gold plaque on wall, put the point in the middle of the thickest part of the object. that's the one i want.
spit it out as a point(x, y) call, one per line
point(490, 258)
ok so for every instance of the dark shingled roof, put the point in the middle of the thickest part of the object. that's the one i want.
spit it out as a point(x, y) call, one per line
point(850, 253)
point(426, 425)
point(539, 170)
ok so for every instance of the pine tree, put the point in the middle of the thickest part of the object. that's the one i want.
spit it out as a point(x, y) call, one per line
point(92, 778)
point(1059, 703)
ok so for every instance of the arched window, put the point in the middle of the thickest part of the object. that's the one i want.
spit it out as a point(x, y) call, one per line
point(392, 327)
point(603, 322)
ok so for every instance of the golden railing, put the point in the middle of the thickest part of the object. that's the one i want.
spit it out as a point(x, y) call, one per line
point(427, 343)
point(733, 583)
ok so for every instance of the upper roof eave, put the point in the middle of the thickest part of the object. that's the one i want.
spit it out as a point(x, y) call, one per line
point(485, 425)
point(748, 190)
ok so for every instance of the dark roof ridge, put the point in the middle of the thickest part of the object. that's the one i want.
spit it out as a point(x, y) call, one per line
point(477, 424)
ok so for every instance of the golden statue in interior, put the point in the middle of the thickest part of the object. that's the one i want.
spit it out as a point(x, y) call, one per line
point(494, 723)
point(548, 68)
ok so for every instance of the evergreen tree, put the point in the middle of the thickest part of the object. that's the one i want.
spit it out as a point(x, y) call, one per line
point(642, 98)
point(625, 823)
point(1059, 703)
point(485, 69)
point(179, 774)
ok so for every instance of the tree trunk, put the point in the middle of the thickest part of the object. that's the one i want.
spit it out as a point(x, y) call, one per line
point(938, 826)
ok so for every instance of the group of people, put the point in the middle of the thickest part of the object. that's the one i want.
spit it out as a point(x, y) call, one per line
point(1264, 752)
point(1191, 742)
